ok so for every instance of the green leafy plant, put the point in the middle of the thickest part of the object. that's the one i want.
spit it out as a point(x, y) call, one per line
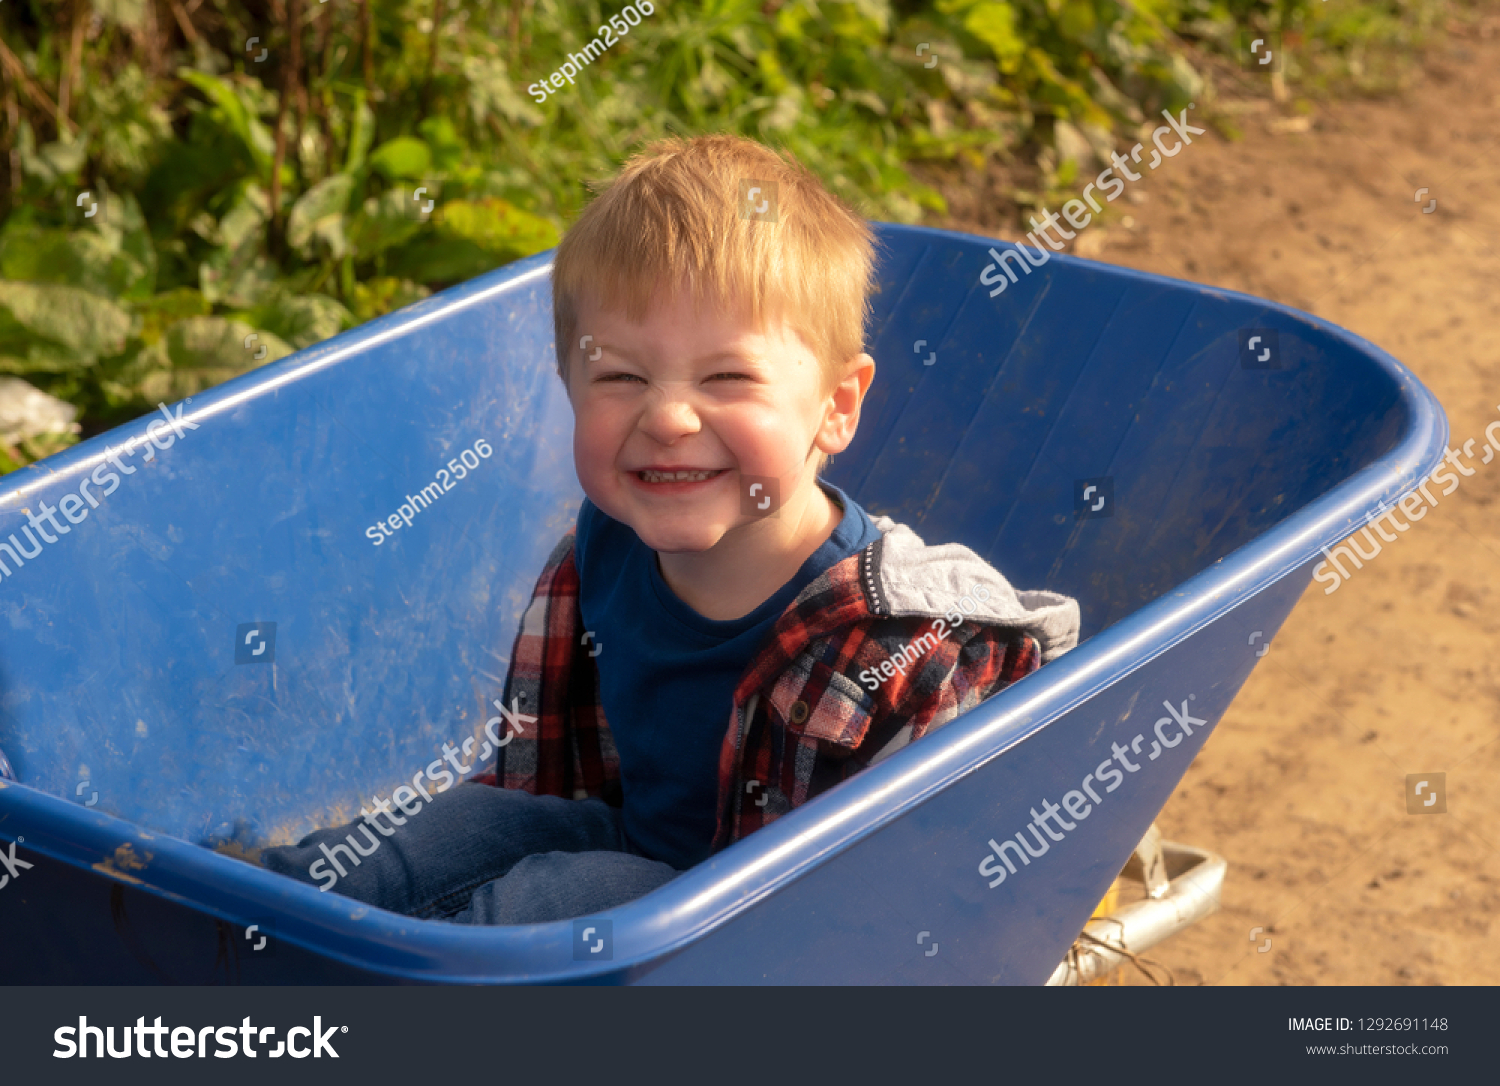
point(248, 204)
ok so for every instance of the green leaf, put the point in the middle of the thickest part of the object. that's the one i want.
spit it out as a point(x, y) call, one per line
point(876, 12)
point(301, 319)
point(204, 351)
point(194, 173)
point(381, 224)
point(472, 237)
point(447, 146)
point(160, 311)
point(83, 323)
point(1187, 84)
point(113, 255)
point(34, 448)
point(40, 357)
point(238, 272)
point(131, 126)
point(497, 227)
point(135, 244)
point(319, 212)
point(362, 133)
point(995, 25)
point(491, 91)
point(233, 113)
point(81, 258)
point(247, 213)
point(440, 260)
point(54, 163)
point(1077, 20)
point(386, 294)
point(404, 157)
point(120, 381)
point(239, 278)
point(787, 111)
point(771, 73)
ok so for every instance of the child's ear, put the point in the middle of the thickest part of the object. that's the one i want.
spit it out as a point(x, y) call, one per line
point(841, 418)
point(862, 370)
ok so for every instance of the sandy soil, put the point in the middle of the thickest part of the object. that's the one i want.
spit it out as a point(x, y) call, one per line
point(1302, 785)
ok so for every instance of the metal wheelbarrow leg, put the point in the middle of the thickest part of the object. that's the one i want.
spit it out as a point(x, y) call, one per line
point(1182, 887)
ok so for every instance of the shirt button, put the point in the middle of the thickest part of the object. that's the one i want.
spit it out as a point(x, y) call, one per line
point(799, 712)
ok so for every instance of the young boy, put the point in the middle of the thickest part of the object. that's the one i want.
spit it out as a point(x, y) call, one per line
point(725, 635)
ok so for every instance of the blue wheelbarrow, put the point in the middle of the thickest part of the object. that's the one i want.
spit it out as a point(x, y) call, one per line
point(204, 649)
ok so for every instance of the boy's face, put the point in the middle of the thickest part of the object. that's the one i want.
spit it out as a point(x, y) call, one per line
point(708, 393)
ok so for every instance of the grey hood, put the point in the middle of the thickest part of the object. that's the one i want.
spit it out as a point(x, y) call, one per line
point(902, 576)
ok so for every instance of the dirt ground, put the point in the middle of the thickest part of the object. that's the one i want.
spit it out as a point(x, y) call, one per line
point(1302, 785)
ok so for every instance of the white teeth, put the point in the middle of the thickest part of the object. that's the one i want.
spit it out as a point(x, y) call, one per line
point(676, 476)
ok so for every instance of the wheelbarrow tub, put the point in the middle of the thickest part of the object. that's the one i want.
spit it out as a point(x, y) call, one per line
point(117, 655)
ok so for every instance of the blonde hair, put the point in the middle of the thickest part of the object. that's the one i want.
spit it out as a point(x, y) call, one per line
point(672, 218)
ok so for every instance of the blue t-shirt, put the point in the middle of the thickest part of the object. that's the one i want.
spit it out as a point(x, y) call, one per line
point(667, 674)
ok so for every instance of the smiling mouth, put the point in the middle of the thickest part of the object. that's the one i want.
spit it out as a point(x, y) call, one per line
point(677, 476)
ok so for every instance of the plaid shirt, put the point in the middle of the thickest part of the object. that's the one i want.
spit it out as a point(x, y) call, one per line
point(802, 720)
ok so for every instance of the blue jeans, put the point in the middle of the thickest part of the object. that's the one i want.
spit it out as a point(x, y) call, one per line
point(477, 854)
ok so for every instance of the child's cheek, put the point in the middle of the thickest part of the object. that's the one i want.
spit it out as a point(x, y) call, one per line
point(592, 451)
point(764, 442)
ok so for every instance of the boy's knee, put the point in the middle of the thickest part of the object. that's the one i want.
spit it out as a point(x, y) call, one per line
point(589, 881)
point(550, 886)
point(282, 859)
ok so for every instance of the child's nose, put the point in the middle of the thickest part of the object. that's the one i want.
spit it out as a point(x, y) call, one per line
point(668, 418)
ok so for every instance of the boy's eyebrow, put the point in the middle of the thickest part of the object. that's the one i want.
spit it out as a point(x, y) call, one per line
point(732, 354)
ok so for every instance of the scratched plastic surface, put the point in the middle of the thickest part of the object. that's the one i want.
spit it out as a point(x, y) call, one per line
point(137, 737)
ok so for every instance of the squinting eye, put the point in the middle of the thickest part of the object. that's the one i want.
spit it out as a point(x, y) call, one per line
point(732, 377)
point(617, 377)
